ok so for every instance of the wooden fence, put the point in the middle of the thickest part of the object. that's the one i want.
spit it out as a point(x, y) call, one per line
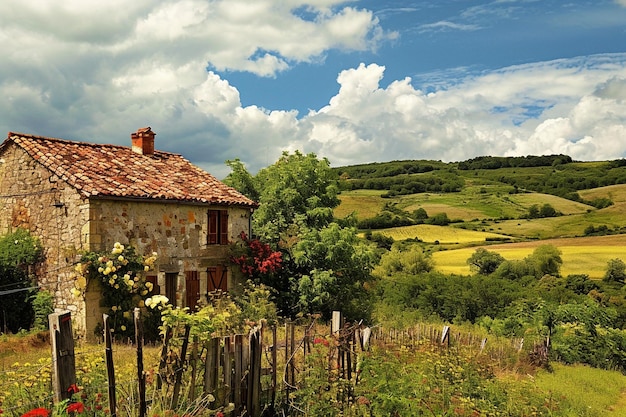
point(250, 374)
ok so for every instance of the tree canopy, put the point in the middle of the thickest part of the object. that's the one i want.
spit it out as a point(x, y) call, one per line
point(324, 263)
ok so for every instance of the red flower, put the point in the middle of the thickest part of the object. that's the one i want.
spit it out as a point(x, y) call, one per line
point(219, 414)
point(76, 408)
point(37, 412)
point(319, 340)
point(73, 389)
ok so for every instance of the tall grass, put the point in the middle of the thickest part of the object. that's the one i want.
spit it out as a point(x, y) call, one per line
point(584, 391)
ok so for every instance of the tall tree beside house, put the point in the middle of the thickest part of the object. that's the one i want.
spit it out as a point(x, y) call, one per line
point(19, 251)
point(324, 264)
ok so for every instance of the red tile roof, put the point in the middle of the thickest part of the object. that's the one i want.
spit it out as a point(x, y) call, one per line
point(116, 171)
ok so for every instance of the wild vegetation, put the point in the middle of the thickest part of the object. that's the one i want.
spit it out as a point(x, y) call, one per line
point(510, 248)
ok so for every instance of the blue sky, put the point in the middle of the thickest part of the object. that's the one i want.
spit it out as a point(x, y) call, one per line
point(438, 41)
point(353, 81)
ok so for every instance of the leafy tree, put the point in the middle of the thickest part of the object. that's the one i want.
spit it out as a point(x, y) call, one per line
point(485, 262)
point(412, 261)
point(439, 219)
point(298, 191)
point(15, 307)
point(420, 214)
point(324, 263)
point(533, 212)
point(547, 211)
point(240, 179)
point(514, 270)
point(615, 271)
point(546, 260)
point(334, 266)
point(18, 251)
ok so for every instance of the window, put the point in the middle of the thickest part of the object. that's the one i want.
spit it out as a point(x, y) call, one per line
point(218, 227)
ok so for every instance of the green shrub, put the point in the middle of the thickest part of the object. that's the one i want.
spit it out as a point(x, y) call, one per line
point(43, 306)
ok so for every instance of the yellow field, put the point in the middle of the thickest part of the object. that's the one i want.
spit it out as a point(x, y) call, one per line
point(365, 203)
point(585, 255)
point(442, 234)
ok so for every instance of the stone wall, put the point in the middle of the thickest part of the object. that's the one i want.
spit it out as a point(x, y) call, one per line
point(67, 225)
point(33, 198)
point(176, 232)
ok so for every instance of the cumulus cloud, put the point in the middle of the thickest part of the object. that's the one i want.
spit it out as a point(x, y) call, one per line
point(68, 72)
point(571, 106)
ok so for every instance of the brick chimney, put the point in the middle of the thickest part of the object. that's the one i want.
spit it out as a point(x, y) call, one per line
point(143, 141)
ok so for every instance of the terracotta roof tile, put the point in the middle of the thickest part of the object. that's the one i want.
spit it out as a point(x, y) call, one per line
point(117, 171)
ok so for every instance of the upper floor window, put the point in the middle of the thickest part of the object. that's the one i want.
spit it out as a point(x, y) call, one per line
point(218, 227)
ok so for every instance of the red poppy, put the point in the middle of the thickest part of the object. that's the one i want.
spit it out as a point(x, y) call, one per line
point(37, 412)
point(73, 389)
point(76, 408)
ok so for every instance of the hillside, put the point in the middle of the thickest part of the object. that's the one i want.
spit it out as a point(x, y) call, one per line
point(491, 202)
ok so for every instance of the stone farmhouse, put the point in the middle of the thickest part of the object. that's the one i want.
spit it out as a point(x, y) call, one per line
point(79, 196)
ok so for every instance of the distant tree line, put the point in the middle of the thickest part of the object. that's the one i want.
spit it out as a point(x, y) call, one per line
point(552, 174)
point(495, 162)
point(446, 182)
point(388, 169)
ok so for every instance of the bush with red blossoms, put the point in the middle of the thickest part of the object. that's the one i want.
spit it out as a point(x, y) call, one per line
point(255, 258)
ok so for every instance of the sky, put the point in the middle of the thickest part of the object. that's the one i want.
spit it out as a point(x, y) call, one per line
point(352, 81)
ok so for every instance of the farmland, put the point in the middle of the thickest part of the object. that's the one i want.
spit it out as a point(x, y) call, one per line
point(488, 209)
point(584, 255)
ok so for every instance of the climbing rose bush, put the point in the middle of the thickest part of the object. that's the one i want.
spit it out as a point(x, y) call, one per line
point(120, 273)
point(255, 258)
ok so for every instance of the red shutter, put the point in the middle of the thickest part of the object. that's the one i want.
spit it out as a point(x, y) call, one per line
point(217, 277)
point(192, 287)
point(213, 226)
point(223, 227)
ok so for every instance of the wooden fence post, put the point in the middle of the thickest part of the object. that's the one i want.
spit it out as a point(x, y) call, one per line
point(180, 367)
point(239, 372)
point(63, 359)
point(254, 374)
point(140, 373)
point(228, 369)
point(109, 363)
point(211, 366)
point(163, 362)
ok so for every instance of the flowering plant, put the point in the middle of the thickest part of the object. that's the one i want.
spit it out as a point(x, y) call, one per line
point(121, 275)
point(255, 258)
point(63, 408)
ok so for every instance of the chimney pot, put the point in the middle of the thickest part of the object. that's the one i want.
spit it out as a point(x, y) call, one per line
point(143, 141)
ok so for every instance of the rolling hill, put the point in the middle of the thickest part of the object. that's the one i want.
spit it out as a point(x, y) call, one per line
point(493, 204)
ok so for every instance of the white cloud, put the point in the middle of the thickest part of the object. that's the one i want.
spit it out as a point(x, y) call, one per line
point(447, 25)
point(577, 107)
point(68, 72)
point(621, 2)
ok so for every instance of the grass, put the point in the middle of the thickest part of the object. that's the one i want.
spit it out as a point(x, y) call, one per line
point(365, 203)
point(588, 391)
point(588, 255)
point(473, 202)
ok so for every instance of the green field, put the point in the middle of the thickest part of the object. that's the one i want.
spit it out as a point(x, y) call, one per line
point(473, 203)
